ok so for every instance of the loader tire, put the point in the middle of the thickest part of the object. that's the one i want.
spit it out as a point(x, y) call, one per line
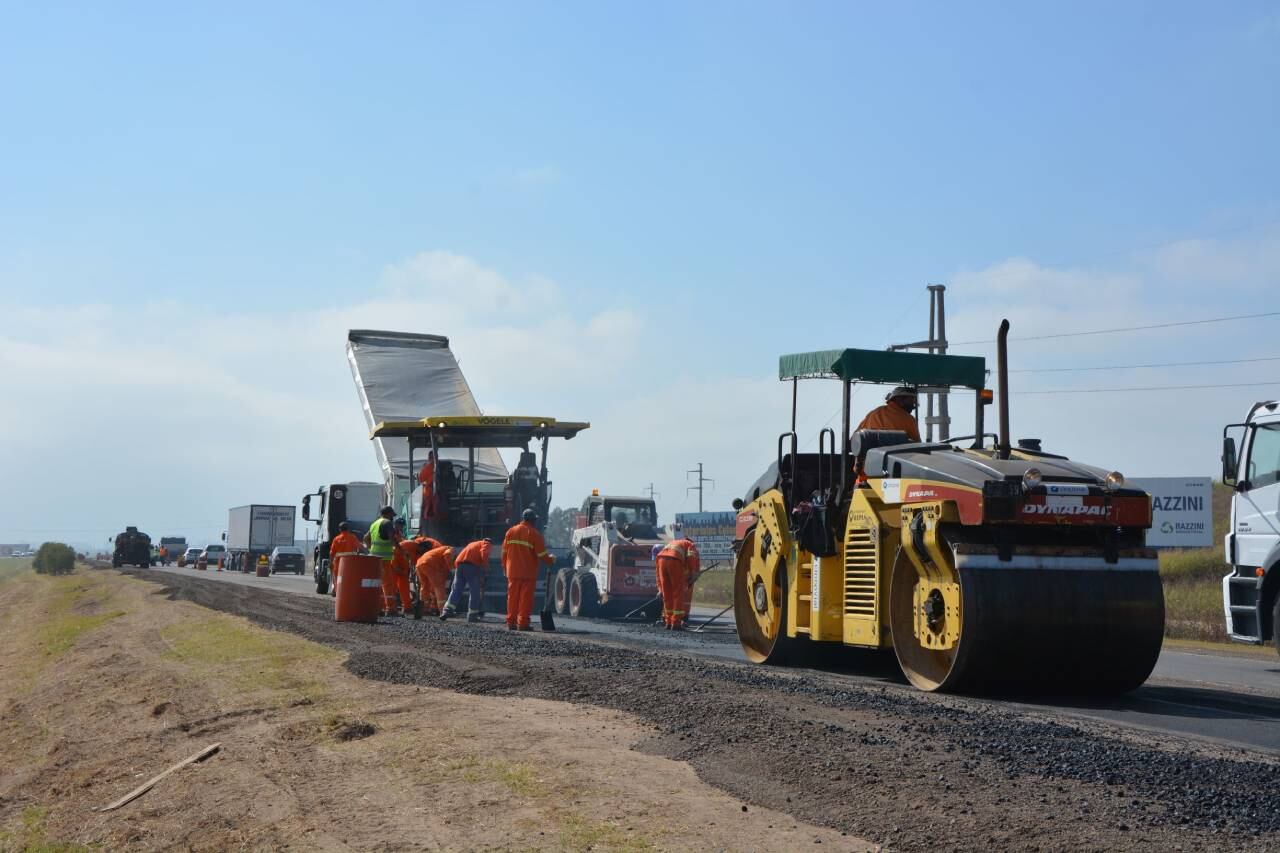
point(560, 594)
point(584, 599)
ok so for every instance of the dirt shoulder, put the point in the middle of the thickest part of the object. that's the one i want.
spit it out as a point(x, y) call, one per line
point(106, 682)
point(909, 771)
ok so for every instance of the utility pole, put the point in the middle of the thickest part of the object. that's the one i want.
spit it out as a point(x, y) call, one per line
point(701, 480)
point(653, 496)
point(936, 345)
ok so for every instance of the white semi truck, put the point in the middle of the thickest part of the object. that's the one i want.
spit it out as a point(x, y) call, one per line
point(1251, 466)
point(355, 503)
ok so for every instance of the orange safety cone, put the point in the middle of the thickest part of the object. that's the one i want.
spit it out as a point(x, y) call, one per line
point(220, 563)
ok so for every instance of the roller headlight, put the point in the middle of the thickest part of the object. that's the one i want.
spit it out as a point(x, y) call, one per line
point(1115, 480)
point(1031, 479)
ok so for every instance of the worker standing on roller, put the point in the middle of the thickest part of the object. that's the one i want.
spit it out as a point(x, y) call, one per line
point(897, 413)
point(433, 569)
point(677, 562)
point(471, 566)
point(523, 550)
point(381, 541)
point(345, 542)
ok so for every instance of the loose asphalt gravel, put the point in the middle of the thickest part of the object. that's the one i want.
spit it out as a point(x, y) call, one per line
point(911, 771)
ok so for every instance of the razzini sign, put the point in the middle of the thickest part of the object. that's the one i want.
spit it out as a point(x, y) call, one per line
point(712, 532)
point(1181, 511)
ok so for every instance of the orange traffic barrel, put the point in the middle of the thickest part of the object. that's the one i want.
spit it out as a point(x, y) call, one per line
point(358, 589)
point(264, 568)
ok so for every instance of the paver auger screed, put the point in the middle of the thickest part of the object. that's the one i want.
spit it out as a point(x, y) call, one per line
point(984, 566)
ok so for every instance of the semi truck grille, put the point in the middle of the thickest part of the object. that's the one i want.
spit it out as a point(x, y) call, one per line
point(860, 574)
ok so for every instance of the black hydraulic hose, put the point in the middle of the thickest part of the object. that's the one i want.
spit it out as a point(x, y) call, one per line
point(1002, 368)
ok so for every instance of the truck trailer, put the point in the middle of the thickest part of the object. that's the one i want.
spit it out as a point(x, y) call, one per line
point(253, 531)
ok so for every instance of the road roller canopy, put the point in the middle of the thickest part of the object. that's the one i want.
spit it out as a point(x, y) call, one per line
point(482, 431)
point(886, 367)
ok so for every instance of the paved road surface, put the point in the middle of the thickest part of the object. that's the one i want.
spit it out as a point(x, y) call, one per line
point(1229, 699)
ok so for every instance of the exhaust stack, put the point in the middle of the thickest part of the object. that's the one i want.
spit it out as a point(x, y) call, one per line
point(1002, 371)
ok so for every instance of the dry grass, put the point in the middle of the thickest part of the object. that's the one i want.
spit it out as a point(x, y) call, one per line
point(1193, 594)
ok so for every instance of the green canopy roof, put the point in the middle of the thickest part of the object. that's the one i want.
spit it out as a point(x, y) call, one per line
point(887, 367)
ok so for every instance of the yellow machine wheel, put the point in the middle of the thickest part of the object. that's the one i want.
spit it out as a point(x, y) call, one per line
point(759, 607)
point(926, 668)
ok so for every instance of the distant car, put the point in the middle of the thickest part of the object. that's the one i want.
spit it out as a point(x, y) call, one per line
point(210, 556)
point(288, 558)
point(189, 558)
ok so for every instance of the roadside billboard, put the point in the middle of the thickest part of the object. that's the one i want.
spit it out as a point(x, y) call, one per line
point(712, 532)
point(1181, 511)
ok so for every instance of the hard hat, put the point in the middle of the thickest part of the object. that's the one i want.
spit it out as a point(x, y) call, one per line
point(344, 526)
point(654, 552)
point(901, 391)
point(529, 515)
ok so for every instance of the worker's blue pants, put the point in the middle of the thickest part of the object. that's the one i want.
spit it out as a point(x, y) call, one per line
point(467, 576)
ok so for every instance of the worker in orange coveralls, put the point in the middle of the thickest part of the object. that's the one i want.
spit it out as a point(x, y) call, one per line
point(427, 477)
point(345, 542)
point(896, 413)
point(677, 562)
point(523, 550)
point(471, 566)
point(396, 582)
point(433, 570)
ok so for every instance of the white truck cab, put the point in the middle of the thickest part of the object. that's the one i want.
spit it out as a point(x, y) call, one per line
point(1251, 465)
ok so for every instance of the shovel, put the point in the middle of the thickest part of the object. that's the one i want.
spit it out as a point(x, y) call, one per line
point(548, 620)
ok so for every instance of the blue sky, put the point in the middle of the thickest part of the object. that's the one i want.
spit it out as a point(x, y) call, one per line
point(718, 182)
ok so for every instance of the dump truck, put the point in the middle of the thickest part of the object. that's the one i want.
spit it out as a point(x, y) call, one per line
point(982, 565)
point(471, 503)
point(132, 548)
point(355, 503)
point(613, 570)
point(399, 376)
point(1251, 466)
point(254, 531)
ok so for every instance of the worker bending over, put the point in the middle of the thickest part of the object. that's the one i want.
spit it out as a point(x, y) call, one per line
point(677, 562)
point(381, 541)
point(433, 569)
point(403, 559)
point(895, 414)
point(345, 542)
point(468, 576)
point(522, 550)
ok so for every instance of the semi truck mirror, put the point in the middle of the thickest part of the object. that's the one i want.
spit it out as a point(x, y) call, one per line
point(1229, 462)
point(306, 507)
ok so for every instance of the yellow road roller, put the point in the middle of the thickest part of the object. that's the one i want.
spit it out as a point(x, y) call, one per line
point(986, 567)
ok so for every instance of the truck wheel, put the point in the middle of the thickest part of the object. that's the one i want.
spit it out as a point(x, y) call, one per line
point(583, 598)
point(1275, 622)
point(322, 583)
point(560, 594)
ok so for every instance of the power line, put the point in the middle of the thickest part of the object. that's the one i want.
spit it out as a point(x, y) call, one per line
point(1141, 366)
point(1130, 328)
point(1144, 388)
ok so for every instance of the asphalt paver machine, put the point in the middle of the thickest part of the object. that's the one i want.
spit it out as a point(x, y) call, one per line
point(468, 505)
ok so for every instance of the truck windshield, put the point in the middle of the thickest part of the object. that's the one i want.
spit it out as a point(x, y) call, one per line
point(1264, 456)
